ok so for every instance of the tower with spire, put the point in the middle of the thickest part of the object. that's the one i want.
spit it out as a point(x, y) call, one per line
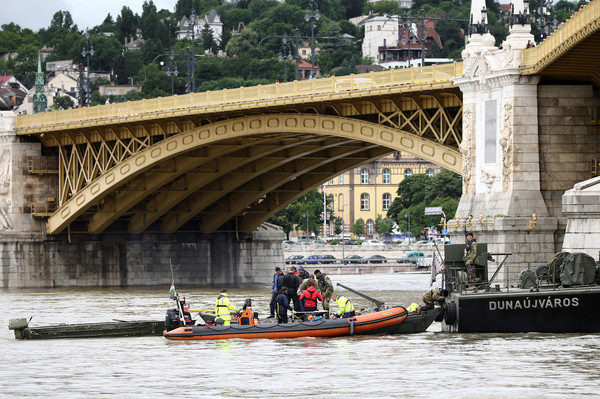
point(40, 102)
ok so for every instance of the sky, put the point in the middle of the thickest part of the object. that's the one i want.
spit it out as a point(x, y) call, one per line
point(37, 14)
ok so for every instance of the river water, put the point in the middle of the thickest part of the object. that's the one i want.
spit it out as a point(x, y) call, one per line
point(426, 365)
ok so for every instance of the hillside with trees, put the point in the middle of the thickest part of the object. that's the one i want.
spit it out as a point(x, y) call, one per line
point(252, 56)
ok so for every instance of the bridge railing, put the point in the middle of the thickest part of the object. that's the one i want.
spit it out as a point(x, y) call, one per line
point(244, 95)
point(567, 30)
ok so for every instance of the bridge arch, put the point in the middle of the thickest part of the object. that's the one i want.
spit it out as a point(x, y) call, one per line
point(257, 163)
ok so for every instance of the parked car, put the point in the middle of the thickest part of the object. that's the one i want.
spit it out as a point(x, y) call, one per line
point(317, 242)
point(309, 260)
point(352, 259)
point(328, 259)
point(424, 242)
point(348, 242)
point(292, 260)
point(289, 242)
point(374, 259)
point(388, 242)
point(372, 242)
point(411, 257)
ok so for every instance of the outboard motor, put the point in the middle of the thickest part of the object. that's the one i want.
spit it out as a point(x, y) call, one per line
point(173, 318)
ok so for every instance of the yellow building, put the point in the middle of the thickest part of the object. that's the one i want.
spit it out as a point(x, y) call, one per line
point(368, 191)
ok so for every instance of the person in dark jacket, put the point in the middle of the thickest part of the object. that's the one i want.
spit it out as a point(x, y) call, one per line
point(275, 287)
point(302, 274)
point(283, 305)
point(291, 281)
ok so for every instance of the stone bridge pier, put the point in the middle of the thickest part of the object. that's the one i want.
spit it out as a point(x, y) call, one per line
point(525, 142)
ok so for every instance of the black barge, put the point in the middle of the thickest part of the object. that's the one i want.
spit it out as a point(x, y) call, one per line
point(562, 297)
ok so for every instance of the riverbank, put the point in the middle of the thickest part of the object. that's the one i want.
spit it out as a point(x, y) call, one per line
point(391, 253)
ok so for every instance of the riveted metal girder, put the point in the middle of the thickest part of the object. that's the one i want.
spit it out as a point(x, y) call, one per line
point(236, 162)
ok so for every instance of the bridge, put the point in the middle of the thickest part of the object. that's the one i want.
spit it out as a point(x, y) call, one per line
point(225, 161)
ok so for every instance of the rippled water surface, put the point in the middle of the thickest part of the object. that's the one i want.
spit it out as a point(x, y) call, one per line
point(427, 365)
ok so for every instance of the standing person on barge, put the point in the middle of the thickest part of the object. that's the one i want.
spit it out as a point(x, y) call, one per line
point(471, 257)
point(224, 307)
point(283, 305)
point(291, 281)
point(326, 288)
point(275, 287)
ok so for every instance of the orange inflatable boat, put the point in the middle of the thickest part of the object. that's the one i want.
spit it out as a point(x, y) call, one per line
point(382, 322)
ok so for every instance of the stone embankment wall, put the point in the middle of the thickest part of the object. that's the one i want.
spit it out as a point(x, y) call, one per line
point(114, 260)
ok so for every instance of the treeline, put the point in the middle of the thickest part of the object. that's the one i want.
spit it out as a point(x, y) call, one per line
point(247, 63)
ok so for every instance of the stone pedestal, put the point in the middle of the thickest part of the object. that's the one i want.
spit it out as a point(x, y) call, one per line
point(581, 205)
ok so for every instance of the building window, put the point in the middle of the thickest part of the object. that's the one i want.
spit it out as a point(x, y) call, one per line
point(386, 176)
point(370, 227)
point(378, 27)
point(341, 202)
point(429, 172)
point(407, 172)
point(364, 202)
point(364, 176)
point(387, 201)
point(341, 179)
point(330, 181)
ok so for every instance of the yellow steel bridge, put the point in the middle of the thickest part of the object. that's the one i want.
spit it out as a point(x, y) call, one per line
point(228, 160)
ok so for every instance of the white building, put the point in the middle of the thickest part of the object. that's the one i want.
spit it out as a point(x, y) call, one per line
point(379, 31)
point(212, 20)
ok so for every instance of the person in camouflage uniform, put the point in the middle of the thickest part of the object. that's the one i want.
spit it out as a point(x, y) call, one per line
point(326, 288)
point(310, 281)
point(435, 295)
point(471, 257)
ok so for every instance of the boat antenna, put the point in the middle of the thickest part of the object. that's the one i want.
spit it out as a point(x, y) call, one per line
point(173, 295)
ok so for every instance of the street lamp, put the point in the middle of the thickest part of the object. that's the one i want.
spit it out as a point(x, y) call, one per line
point(193, 25)
point(408, 217)
point(284, 57)
point(306, 215)
point(410, 39)
point(544, 12)
point(172, 72)
point(521, 17)
point(88, 51)
point(312, 15)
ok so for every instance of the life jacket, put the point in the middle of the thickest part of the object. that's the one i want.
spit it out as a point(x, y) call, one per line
point(322, 281)
point(247, 317)
point(310, 299)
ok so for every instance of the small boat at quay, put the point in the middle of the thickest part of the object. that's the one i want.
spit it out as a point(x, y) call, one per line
point(23, 330)
point(561, 297)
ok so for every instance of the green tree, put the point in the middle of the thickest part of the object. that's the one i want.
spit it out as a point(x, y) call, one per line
point(208, 40)
point(127, 24)
point(337, 225)
point(62, 102)
point(358, 228)
point(384, 226)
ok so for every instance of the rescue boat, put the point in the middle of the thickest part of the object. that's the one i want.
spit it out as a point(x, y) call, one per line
point(382, 322)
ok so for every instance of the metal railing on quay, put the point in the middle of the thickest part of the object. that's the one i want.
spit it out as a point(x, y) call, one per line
point(254, 94)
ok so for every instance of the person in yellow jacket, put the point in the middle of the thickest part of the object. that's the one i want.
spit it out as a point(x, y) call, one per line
point(345, 307)
point(223, 308)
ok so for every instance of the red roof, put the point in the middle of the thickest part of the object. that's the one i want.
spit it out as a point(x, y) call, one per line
point(4, 79)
